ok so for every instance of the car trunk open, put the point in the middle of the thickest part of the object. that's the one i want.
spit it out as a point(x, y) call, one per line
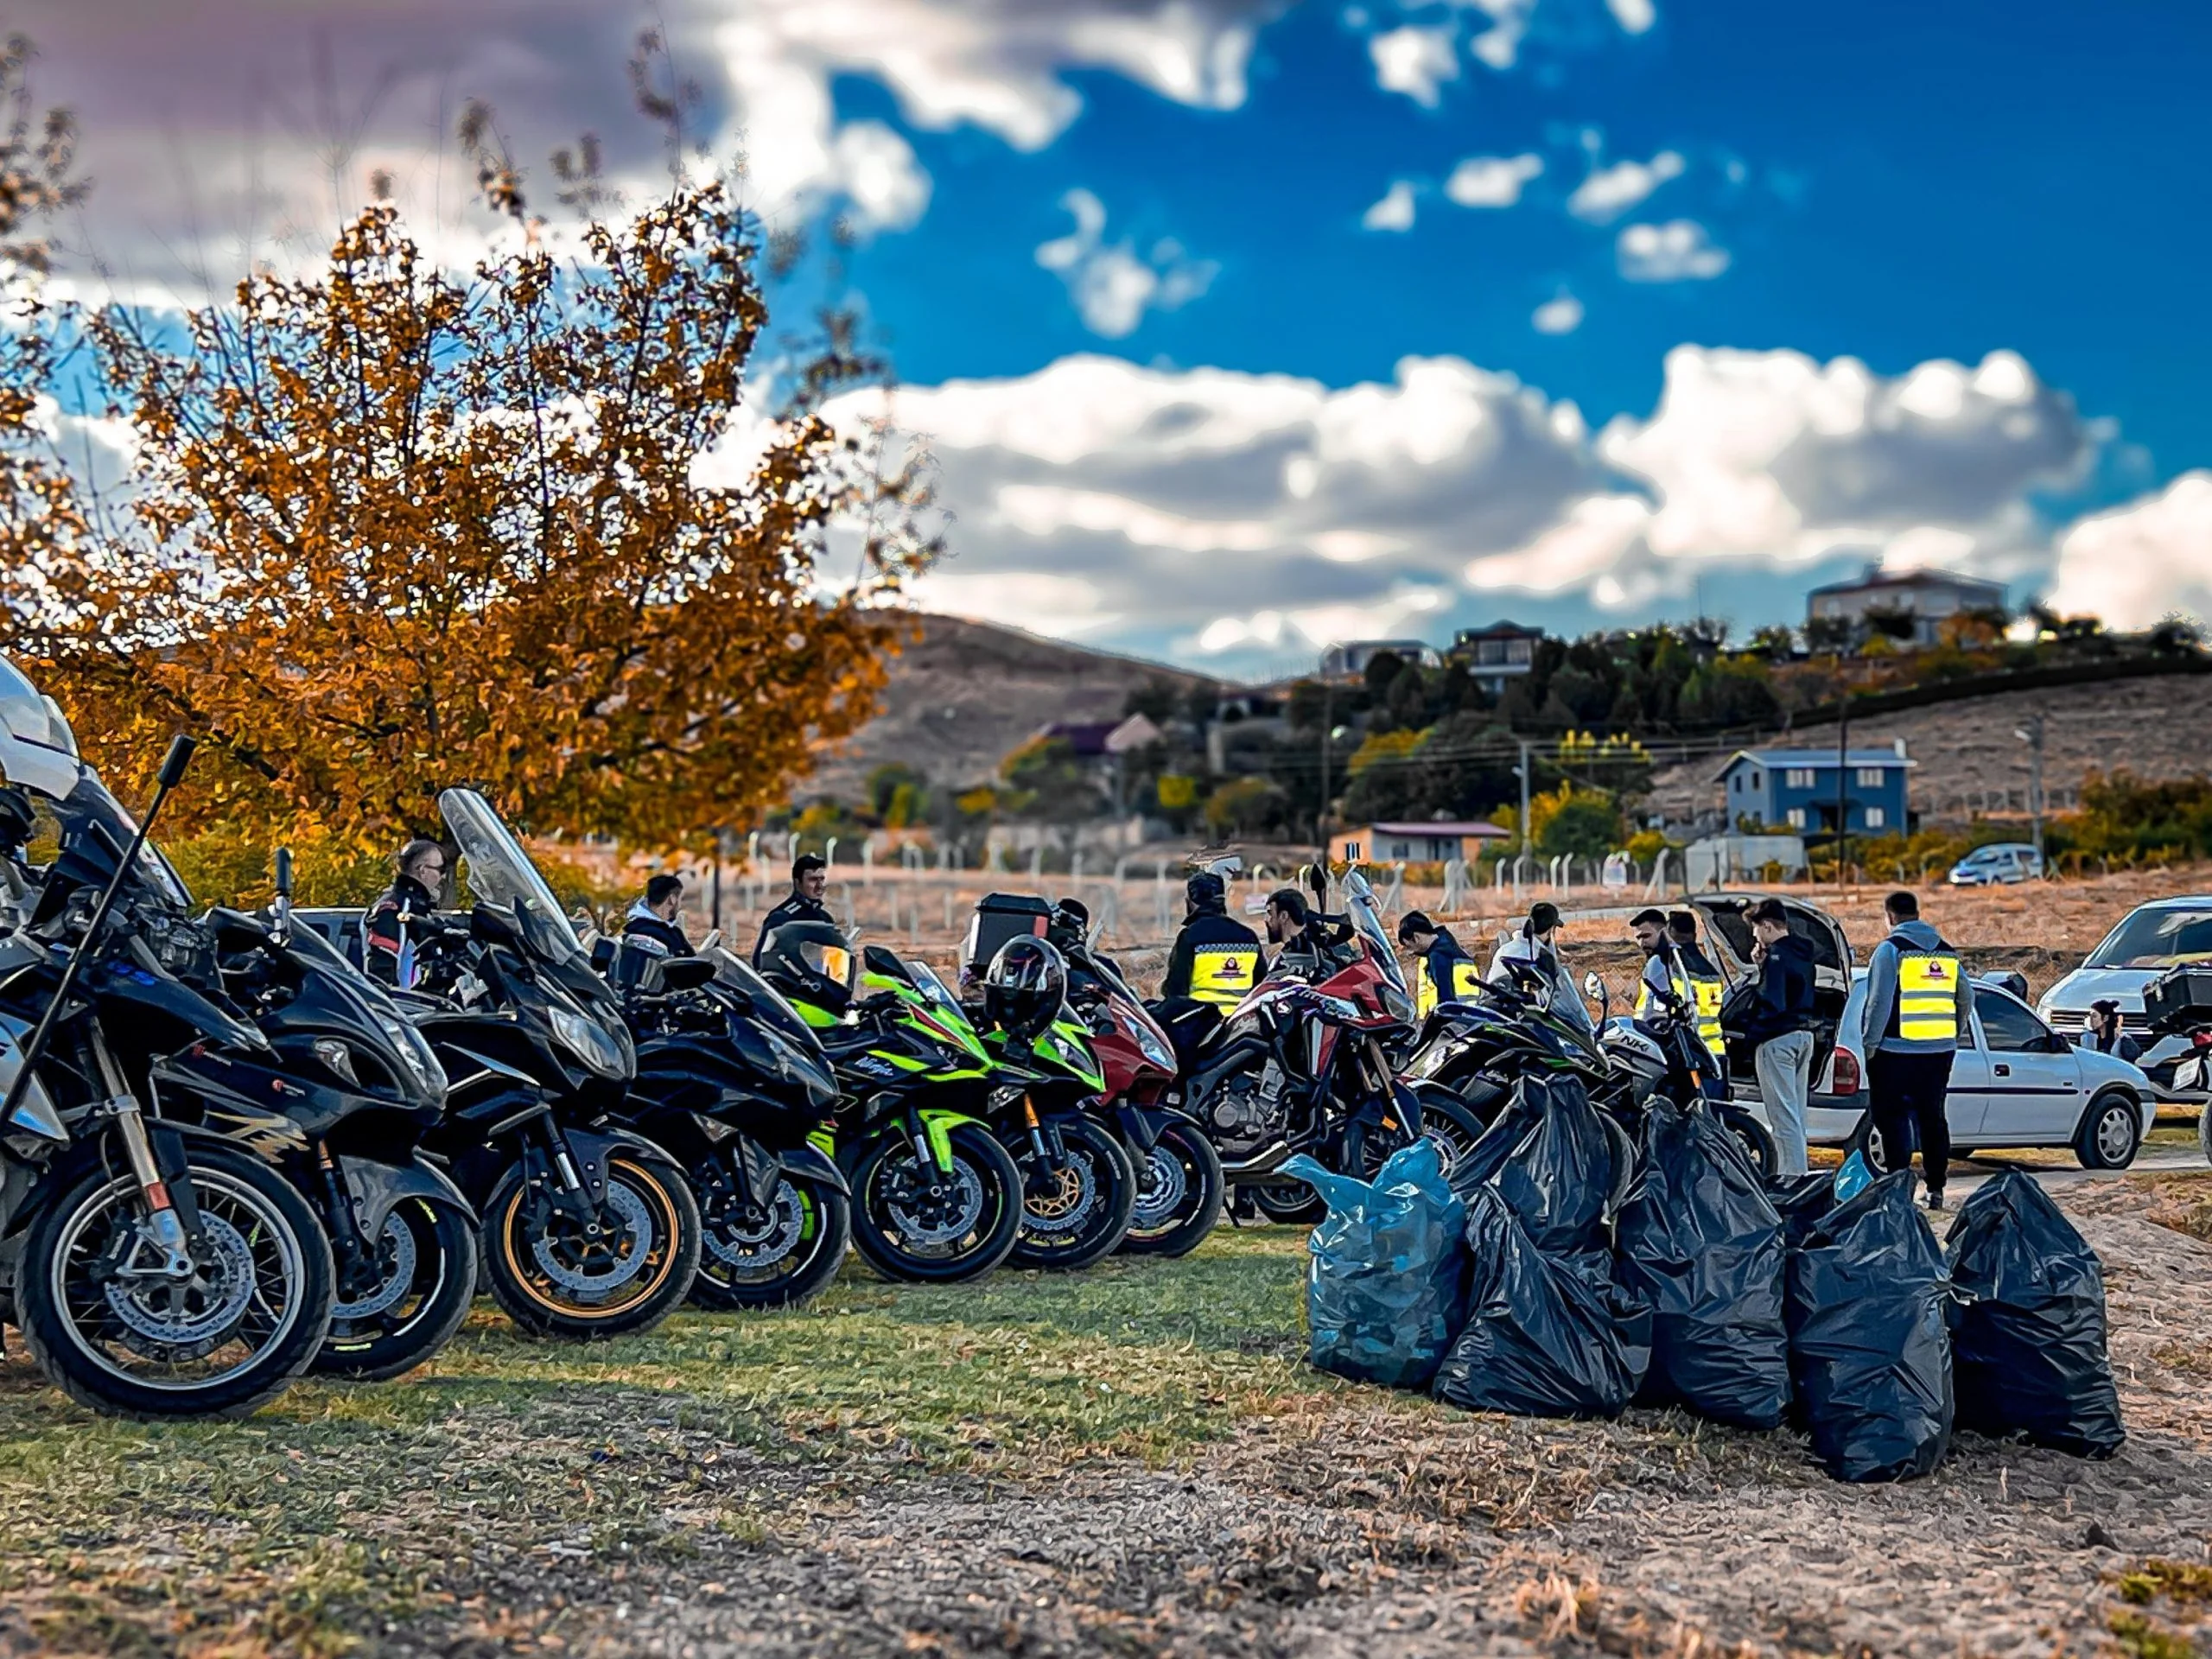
point(1729, 942)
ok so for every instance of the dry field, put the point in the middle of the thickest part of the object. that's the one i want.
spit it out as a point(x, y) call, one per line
point(1133, 1461)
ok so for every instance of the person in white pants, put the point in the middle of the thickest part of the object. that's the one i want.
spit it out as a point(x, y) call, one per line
point(1780, 1030)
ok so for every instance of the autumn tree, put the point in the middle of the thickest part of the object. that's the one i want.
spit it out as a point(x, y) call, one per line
point(392, 527)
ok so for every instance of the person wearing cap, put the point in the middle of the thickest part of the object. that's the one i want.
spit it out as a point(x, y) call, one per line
point(1918, 1001)
point(1216, 958)
point(2107, 1033)
point(809, 883)
point(1779, 1028)
point(1442, 972)
point(1533, 948)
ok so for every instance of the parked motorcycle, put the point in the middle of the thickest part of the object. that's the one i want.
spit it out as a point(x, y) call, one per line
point(156, 1271)
point(733, 1083)
point(590, 1229)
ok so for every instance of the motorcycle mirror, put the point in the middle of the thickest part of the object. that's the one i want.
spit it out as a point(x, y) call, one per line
point(174, 762)
point(283, 873)
point(1592, 986)
point(686, 973)
point(712, 942)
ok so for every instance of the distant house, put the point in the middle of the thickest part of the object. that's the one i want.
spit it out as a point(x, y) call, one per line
point(1348, 661)
point(1432, 842)
point(1096, 740)
point(1496, 655)
point(1797, 788)
point(1928, 598)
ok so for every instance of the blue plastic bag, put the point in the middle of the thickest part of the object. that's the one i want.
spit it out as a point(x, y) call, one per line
point(1386, 1289)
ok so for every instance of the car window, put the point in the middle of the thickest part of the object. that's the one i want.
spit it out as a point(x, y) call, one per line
point(2007, 1025)
point(2163, 937)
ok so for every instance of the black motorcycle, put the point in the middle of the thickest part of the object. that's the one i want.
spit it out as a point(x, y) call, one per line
point(155, 1269)
point(356, 1089)
point(732, 1082)
point(590, 1229)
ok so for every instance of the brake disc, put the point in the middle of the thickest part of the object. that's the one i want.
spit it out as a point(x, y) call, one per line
point(943, 1220)
point(762, 1243)
point(1163, 1190)
point(396, 1255)
point(1059, 1201)
point(597, 1266)
point(189, 1313)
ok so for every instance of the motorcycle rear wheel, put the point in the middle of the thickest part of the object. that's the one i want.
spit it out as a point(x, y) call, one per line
point(555, 1279)
point(1079, 1213)
point(390, 1331)
point(122, 1344)
point(903, 1230)
point(1180, 1191)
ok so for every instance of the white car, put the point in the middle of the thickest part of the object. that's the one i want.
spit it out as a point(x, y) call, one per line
point(2151, 938)
point(2003, 864)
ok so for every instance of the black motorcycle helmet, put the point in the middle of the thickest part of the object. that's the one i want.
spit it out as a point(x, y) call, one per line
point(1026, 988)
point(813, 961)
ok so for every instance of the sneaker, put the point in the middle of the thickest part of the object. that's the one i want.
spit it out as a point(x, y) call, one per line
point(1935, 1200)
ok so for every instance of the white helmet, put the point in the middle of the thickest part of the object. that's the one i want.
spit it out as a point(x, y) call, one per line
point(37, 748)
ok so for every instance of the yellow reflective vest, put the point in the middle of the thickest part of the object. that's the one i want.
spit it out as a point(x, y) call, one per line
point(1465, 981)
point(1224, 974)
point(1927, 997)
point(1700, 993)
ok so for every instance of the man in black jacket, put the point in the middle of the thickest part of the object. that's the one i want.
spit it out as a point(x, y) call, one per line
point(1779, 1028)
point(393, 928)
point(810, 881)
point(1216, 957)
point(656, 921)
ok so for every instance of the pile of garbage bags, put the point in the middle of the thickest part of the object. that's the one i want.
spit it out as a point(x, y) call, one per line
point(1562, 1270)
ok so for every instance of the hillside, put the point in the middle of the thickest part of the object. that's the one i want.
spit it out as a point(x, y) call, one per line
point(1970, 761)
point(965, 693)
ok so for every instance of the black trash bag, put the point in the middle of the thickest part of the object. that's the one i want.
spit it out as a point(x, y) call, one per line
point(1870, 1347)
point(1803, 1200)
point(1386, 1290)
point(2029, 1347)
point(1522, 1111)
point(1540, 1341)
point(1699, 1243)
point(1559, 1181)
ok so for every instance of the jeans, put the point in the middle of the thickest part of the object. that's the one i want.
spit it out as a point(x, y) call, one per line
point(1910, 1092)
point(1784, 1066)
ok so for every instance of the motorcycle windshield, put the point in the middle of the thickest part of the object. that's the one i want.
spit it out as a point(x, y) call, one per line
point(760, 1001)
point(501, 873)
point(1367, 921)
point(89, 809)
point(944, 1007)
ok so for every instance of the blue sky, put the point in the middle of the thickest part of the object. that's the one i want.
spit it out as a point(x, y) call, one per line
point(1238, 327)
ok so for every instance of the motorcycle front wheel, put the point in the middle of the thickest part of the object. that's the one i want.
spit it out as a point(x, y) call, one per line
point(426, 1257)
point(623, 1271)
point(914, 1221)
point(120, 1335)
point(1180, 1190)
point(781, 1252)
point(1078, 1212)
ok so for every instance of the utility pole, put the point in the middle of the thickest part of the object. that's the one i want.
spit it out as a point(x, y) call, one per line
point(1842, 782)
point(1321, 809)
point(2031, 735)
point(1525, 770)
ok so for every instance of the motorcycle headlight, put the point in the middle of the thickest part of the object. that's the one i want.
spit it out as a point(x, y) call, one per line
point(1340, 1009)
point(1396, 1002)
point(1152, 1048)
point(415, 1054)
point(337, 1058)
point(587, 1042)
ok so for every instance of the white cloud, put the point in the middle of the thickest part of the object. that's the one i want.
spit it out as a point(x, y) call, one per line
point(1491, 181)
point(1238, 516)
point(875, 169)
point(1634, 17)
point(1113, 287)
point(1679, 251)
point(1609, 191)
point(2145, 561)
point(1561, 314)
point(1395, 211)
point(1415, 61)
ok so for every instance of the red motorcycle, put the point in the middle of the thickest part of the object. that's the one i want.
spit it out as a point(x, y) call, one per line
point(1303, 1065)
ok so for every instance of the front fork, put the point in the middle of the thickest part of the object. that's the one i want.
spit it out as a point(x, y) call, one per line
point(172, 1212)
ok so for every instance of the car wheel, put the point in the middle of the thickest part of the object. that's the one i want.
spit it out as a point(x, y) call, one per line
point(2111, 1132)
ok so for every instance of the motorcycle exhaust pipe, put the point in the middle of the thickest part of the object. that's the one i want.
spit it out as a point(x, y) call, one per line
point(1265, 1161)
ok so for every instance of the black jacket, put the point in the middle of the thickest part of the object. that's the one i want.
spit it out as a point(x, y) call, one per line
point(665, 938)
point(797, 908)
point(1208, 927)
point(1784, 1002)
point(389, 923)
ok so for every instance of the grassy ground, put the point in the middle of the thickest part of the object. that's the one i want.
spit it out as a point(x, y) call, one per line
point(341, 1508)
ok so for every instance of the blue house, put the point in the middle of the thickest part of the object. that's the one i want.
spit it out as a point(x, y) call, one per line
point(1796, 789)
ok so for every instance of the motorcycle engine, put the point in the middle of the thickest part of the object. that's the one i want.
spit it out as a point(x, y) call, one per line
point(1248, 1107)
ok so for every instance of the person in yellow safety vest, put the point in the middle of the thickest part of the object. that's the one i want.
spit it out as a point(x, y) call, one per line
point(1919, 1002)
point(1443, 972)
point(1706, 988)
point(1216, 957)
